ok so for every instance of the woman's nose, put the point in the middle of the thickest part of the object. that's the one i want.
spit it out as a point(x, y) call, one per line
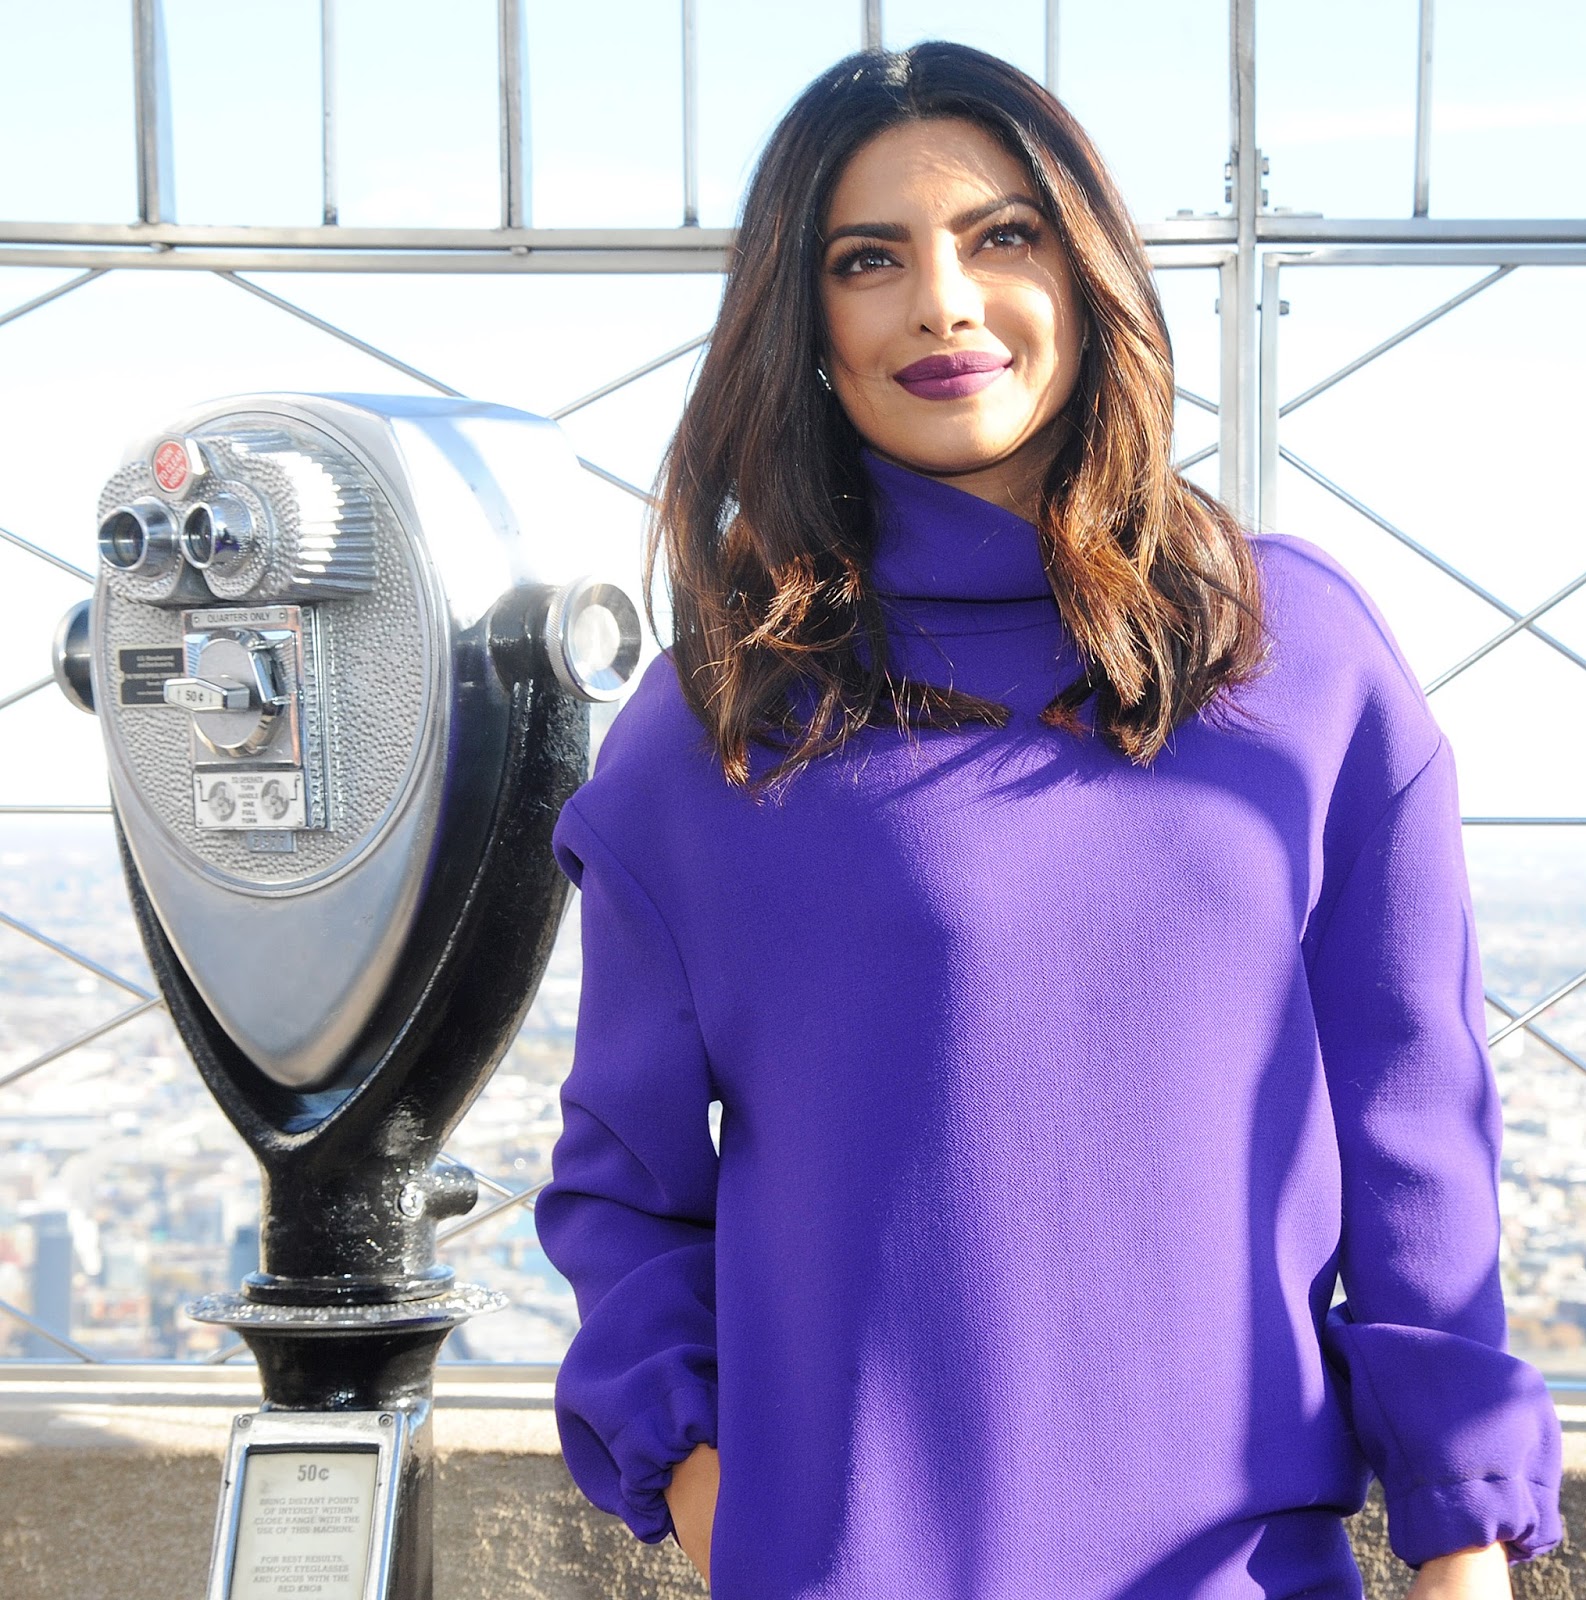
point(945, 295)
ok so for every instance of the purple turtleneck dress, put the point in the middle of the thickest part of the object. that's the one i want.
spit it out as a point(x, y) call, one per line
point(1058, 1097)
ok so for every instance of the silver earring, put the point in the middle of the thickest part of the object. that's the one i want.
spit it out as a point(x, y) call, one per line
point(826, 383)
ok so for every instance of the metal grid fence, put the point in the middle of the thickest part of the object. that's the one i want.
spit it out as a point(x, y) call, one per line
point(1249, 246)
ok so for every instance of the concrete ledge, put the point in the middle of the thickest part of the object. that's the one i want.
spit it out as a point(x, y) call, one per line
point(109, 1480)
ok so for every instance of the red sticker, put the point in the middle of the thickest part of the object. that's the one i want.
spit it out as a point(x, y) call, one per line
point(171, 466)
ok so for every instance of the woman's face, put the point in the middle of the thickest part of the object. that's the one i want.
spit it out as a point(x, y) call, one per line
point(953, 323)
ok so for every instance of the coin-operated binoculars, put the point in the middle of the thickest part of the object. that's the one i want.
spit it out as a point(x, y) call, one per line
point(342, 655)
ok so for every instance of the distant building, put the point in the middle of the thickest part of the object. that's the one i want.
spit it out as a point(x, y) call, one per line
point(53, 1264)
point(243, 1256)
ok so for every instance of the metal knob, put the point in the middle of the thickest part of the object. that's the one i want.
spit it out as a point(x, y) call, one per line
point(199, 694)
point(235, 694)
point(592, 638)
point(71, 658)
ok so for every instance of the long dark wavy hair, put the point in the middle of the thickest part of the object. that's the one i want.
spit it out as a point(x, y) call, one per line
point(763, 506)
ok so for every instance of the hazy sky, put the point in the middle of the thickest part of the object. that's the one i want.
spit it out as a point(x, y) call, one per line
point(1461, 436)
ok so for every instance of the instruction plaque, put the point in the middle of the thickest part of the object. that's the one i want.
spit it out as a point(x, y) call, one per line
point(306, 1508)
point(303, 1525)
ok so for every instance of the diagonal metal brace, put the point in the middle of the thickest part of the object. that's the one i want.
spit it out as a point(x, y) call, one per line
point(19, 1315)
point(338, 333)
point(627, 378)
point(44, 555)
point(1517, 626)
point(22, 694)
point(87, 964)
point(86, 1037)
point(1393, 341)
point(1539, 1034)
point(49, 295)
point(1447, 568)
point(1516, 1022)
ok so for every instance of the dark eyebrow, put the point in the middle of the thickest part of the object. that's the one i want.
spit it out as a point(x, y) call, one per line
point(895, 233)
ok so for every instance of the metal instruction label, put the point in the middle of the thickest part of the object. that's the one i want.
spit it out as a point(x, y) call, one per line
point(304, 1524)
point(144, 670)
point(143, 691)
point(151, 662)
point(242, 617)
point(246, 801)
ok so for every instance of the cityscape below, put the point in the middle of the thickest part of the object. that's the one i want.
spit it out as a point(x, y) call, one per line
point(124, 1193)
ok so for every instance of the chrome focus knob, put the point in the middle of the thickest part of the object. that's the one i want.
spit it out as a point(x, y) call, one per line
point(592, 638)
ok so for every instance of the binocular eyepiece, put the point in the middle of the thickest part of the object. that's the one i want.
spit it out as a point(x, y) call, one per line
point(212, 538)
point(145, 537)
point(141, 536)
point(217, 536)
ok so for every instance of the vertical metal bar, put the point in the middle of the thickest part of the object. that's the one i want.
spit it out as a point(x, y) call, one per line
point(690, 118)
point(870, 24)
point(1237, 400)
point(152, 103)
point(1423, 113)
point(509, 54)
point(1051, 45)
point(327, 111)
point(1228, 381)
point(1271, 316)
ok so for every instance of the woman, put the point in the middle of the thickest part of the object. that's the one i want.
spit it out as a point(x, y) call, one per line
point(1062, 893)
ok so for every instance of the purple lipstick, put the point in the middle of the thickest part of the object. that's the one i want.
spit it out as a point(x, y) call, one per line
point(951, 377)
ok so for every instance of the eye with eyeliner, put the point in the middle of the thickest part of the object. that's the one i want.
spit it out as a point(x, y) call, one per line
point(1029, 236)
point(843, 266)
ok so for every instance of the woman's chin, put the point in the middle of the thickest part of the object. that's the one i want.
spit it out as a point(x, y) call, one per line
point(948, 458)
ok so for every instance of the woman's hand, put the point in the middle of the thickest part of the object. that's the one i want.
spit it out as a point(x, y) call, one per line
point(1475, 1574)
point(691, 1498)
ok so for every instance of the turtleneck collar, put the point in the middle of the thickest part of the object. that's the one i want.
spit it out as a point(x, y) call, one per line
point(937, 542)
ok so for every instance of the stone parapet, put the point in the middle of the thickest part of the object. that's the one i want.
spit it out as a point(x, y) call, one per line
point(109, 1479)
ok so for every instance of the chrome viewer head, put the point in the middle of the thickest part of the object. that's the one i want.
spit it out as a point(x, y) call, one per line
point(311, 619)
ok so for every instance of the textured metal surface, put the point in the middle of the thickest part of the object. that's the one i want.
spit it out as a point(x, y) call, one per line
point(445, 1310)
point(374, 639)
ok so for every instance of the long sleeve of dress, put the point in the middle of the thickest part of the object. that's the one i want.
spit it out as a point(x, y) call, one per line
point(1462, 1435)
point(629, 1214)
